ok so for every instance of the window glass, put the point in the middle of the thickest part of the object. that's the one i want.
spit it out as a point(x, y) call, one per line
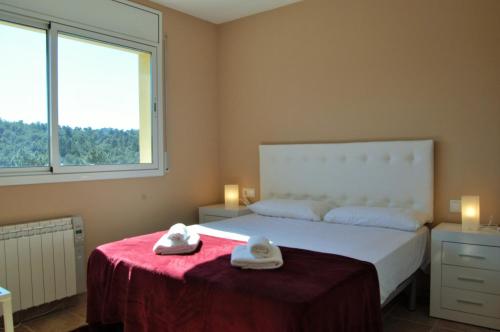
point(24, 132)
point(104, 94)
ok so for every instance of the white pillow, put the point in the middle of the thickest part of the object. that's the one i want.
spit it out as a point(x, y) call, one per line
point(402, 219)
point(291, 208)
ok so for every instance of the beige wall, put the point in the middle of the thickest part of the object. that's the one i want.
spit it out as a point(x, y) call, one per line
point(342, 70)
point(118, 208)
point(317, 71)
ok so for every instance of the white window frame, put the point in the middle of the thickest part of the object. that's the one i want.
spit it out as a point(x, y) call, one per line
point(58, 173)
point(11, 18)
point(54, 31)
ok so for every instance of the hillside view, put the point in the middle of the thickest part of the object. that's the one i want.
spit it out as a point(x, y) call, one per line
point(26, 145)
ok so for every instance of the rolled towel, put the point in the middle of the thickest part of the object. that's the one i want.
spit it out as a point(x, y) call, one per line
point(241, 257)
point(260, 246)
point(178, 233)
point(165, 246)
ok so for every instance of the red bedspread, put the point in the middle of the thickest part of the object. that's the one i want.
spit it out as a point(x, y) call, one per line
point(313, 291)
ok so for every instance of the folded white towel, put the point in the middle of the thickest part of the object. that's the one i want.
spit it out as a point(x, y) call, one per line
point(178, 232)
point(260, 246)
point(241, 257)
point(165, 246)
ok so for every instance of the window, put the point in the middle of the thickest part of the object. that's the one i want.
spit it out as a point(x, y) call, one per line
point(75, 104)
point(104, 103)
point(24, 131)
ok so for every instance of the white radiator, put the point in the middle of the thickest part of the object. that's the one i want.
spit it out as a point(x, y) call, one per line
point(42, 261)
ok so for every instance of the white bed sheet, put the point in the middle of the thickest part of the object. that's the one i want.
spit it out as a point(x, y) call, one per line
point(395, 254)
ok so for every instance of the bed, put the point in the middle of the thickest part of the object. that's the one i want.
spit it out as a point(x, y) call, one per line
point(396, 254)
point(335, 277)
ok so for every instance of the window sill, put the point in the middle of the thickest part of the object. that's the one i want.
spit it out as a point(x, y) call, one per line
point(12, 180)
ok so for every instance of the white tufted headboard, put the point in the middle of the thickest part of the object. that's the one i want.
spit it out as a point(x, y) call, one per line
point(393, 173)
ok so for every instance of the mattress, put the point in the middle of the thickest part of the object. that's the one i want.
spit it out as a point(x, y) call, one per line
point(395, 254)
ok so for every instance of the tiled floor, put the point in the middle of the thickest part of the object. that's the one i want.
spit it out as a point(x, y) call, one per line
point(61, 320)
point(396, 319)
point(399, 319)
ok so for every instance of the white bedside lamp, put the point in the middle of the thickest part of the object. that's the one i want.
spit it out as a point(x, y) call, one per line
point(231, 196)
point(470, 213)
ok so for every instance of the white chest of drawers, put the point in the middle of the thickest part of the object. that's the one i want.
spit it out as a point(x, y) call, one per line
point(465, 275)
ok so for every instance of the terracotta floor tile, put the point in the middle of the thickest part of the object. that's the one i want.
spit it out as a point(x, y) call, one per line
point(457, 327)
point(442, 329)
point(397, 318)
point(22, 328)
point(472, 328)
point(80, 307)
point(400, 325)
point(60, 321)
point(420, 315)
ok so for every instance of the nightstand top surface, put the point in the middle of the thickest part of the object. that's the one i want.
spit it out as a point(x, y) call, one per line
point(223, 207)
point(454, 232)
point(457, 228)
point(221, 211)
point(218, 212)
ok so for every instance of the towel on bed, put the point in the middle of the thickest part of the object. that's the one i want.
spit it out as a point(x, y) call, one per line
point(260, 246)
point(242, 257)
point(167, 246)
point(178, 232)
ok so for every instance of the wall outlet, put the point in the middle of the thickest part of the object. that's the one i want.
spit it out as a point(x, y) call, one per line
point(249, 192)
point(455, 206)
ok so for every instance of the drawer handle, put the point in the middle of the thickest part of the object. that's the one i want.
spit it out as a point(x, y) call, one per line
point(471, 256)
point(480, 281)
point(470, 302)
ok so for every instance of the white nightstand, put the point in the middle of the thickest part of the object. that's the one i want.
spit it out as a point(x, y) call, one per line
point(465, 275)
point(219, 212)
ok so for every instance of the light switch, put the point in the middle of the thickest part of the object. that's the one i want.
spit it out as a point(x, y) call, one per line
point(455, 206)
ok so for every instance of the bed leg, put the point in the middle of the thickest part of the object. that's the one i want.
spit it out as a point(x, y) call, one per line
point(412, 299)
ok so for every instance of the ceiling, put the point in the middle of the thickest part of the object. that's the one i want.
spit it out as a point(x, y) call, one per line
point(220, 11)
